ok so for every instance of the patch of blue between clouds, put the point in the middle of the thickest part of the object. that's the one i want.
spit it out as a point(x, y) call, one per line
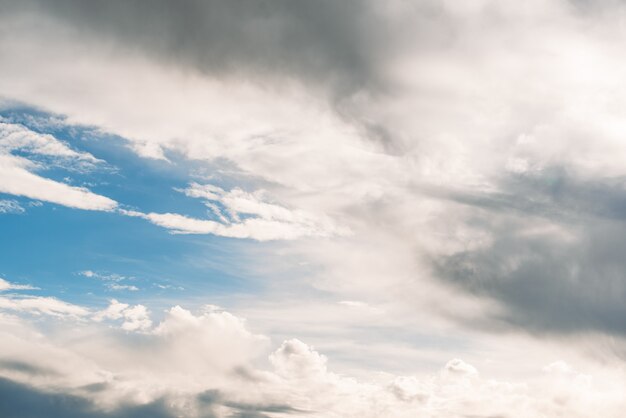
point(48, 245)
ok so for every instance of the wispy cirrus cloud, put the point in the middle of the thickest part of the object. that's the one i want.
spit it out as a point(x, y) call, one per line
point(10, 206)
point(112, 281)
point(16, 137)
point(18, 176)
point(239, 214)
point(19, 180)
point(6, 285)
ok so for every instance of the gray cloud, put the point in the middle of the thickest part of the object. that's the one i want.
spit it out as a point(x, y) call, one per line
point(555, 194)
point(21, 401)
point(327, 42)
point(26, 368)
point(243, 409)
point(547, 281)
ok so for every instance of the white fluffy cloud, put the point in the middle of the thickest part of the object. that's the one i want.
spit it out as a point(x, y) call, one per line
point(207, 362)
point(135, 318)
point(210, 362)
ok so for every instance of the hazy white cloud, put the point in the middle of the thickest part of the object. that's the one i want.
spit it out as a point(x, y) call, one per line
point(6, 285)
point(38, 305)
point(254, 228)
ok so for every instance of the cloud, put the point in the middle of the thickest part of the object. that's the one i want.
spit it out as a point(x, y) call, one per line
point(272, 39)
point(114, 286)
point(41, 305)
point(261, 229)
point(550, 262)
point(36, 305)
point(107, 277)
point(135, 318)
point(18, 180)
point(28, 402)
point(15, 137)
point(238, 202)
point(5, 285)
point(10, 206)
point(205, 364)
point(17, 172)
point(112, 280)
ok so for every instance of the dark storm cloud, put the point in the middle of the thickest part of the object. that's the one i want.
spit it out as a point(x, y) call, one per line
point(324, 41)
point(545, 281)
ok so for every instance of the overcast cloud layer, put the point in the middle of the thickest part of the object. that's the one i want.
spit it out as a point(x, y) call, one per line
point(398, 184)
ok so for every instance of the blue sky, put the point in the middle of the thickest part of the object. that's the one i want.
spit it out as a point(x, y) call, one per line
point(49, 245)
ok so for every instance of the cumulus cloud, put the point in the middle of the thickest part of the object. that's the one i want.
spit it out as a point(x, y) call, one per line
point(134, 318)
point(203, 364)
point(207, 364)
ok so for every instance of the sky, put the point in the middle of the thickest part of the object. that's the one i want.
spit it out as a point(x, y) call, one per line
point(325, 209)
